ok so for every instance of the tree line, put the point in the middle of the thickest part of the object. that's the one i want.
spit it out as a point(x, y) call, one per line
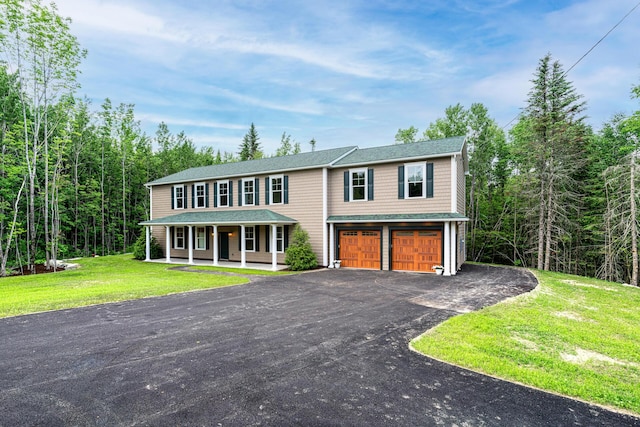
point(549, 193)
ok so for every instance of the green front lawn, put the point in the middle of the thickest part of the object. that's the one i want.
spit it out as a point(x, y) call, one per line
point(101, 280)
point(572, 335)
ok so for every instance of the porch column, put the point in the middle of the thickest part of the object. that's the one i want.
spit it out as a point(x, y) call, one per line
point(274, 247)
point(332, 245)
point(453, 243)
point(447, 251)
point(167, 244)
point(190, 244)
point(147, 248)
point(215, 245)
point(243, 249)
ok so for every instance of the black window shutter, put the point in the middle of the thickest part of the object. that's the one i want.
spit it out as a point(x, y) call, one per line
point(370, 184)
point(230, 195)
point(194, 235)
point(215, 194)
point(206, 195)
point(256, 238)
point(172, 232)
point(429, 179)
point(240, 238)
point(193, 196)
point(184, 197)
point(267, 229)
point(266, 191)
point(285, 184)
point(207, 235)
point(173, 197)
point(239, 192)
point(256, 192)
point(285, 233)
point(346, 186)
point(400, 182)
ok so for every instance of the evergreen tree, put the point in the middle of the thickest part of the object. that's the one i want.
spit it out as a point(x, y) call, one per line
point(550, 138)
point(250, 147)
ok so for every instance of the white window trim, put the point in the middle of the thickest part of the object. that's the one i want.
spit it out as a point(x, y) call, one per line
point(406, 180)
point(253, 182)
point(218, 202)
point(204, 195)
point(176, 198)
point(281, 239)
point(271, 179)
point(175, 238)
point(253, 239)
point(366, 184)
point(204, 230)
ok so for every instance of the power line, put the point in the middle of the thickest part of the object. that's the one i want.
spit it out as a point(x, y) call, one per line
point(589, 51)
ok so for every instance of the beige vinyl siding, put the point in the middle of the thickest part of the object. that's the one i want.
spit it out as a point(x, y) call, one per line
point(462, 196)
point(305, 206)
point(462, 243)
point(385, 189)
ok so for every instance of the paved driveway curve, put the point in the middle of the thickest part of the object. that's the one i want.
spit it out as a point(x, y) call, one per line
point(321, 348)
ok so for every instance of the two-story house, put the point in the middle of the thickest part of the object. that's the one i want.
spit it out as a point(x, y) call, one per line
point(396, 207)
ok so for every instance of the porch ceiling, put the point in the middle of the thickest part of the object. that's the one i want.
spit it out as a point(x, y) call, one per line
point(236, 217)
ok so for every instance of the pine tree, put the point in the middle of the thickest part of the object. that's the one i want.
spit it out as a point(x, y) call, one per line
point(250, 147)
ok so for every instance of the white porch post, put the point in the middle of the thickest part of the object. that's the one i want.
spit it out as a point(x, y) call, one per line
point(243, 249)
point(325, 213)
point(168, 244)
point(274, 247)
point(332, 244)
point(452, 242)
point(447, 251)
point(215, 245)
point(190, 243)
point(147, 231)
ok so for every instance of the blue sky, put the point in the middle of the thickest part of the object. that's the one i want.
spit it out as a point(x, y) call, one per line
point(343, 72)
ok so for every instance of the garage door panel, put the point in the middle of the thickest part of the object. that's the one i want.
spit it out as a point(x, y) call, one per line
point(360, 249)
point(416, 250)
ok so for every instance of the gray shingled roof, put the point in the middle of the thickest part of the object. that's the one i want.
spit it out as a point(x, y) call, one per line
point(268, 165)
point(257, 216)
point(421, 149)
point(339, 157)
point(398, 217)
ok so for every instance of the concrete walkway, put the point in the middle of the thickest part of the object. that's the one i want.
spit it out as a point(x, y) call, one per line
point(323, 348)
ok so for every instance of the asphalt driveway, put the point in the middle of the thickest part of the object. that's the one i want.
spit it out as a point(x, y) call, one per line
point(323, 348)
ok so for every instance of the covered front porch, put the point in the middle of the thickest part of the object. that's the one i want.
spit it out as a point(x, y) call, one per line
point(203, 237)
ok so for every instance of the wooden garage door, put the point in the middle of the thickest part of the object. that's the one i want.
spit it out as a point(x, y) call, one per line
point(360, 249)
point(416, 250)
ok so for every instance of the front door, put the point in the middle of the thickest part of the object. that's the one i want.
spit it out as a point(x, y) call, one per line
point(224, 245)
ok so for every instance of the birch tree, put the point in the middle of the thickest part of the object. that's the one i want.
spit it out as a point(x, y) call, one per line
point(38, 45)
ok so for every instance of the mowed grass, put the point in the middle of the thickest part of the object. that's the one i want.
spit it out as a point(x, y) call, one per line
point(101, 280)
point(572, 335)
point(244, 271)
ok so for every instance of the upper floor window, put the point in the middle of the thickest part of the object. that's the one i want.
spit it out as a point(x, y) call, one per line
point(248, 189)
point(179, 197)
point(358, 185)
point(200, 195)
point(277, 190)
point(415, 180)
point(415, 185)
point(223, 197)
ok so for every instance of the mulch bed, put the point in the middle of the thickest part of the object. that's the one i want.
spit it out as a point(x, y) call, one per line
point(40, 269)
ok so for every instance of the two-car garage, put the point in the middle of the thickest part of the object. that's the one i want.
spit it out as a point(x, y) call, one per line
point(409, 250)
